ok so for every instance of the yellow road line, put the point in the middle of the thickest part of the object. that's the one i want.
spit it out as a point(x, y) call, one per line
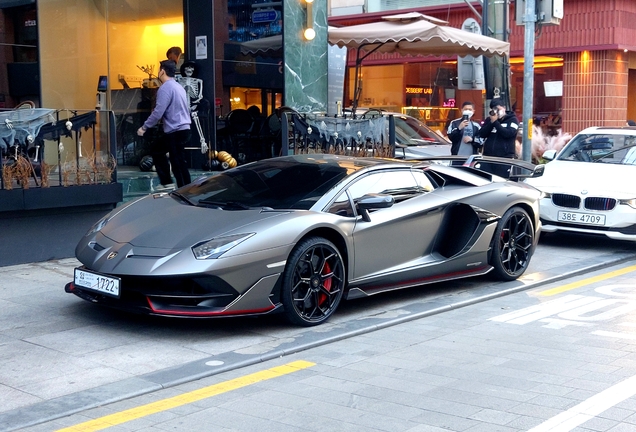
point(587, 281)
point(186, 398)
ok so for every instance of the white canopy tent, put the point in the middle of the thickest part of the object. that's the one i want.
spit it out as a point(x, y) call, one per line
point(269, 45)
point(413, 34)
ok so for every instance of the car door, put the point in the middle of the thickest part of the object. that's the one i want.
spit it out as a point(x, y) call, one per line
point(400, 237)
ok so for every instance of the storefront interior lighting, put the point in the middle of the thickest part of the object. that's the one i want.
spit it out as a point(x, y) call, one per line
point(309, 32)
point(540, 61)
point(171, 29)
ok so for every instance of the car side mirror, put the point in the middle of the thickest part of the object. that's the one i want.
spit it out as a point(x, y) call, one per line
point(373, 202)
point(549, 154)
point(538, 171)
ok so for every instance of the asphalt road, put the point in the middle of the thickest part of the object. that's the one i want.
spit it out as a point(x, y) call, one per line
point(62, 355)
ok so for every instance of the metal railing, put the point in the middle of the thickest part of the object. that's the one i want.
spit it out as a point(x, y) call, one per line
point(373, 135)
point(42, 148)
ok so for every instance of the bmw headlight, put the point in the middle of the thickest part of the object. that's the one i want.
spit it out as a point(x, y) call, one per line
point(216, 247)
point(629, 202)
point(546, 195)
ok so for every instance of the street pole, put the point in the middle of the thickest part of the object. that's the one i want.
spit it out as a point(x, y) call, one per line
point(529, 19)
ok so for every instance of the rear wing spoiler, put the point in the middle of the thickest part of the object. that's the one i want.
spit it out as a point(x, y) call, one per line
point(519, 169)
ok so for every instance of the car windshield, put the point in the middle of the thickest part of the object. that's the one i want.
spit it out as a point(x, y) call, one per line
point(409, 131)
point(275, 184)
point(601, 148)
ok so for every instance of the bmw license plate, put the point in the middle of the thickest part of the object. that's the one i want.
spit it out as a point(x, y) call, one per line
point(103, 284)
point(581, 218)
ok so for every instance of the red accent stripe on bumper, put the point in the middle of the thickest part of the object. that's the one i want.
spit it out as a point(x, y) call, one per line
point(174, 312)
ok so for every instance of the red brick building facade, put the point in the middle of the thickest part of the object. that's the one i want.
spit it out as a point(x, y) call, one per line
point(596, 41)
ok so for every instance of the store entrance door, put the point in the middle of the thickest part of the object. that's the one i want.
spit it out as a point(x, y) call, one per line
point(251, 128)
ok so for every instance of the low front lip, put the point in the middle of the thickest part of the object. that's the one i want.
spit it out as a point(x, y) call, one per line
point(200, 295)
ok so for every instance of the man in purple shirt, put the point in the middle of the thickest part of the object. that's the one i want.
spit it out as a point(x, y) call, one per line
point(172, 107)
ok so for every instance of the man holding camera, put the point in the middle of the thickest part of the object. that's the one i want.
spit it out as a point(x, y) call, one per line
point(463, 133)
point(500, 131)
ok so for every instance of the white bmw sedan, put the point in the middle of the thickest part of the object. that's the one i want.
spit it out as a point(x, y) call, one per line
point(590, 185)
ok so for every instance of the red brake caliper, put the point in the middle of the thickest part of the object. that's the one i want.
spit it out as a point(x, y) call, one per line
point(326, 283)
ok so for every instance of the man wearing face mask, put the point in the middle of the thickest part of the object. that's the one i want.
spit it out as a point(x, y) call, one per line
point(500, 131)
point(463, 133)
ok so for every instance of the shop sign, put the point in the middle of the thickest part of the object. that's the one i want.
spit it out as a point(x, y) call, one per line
point(419, 90)
point(264, 16)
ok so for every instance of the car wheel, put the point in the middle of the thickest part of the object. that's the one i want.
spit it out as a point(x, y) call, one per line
point(313, 282)
point(513, 244)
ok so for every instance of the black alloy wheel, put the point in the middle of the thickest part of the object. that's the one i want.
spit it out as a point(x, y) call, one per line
point(513, 244)
point(313, 282)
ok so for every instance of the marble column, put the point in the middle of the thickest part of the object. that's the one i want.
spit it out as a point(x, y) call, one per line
point(305, 60)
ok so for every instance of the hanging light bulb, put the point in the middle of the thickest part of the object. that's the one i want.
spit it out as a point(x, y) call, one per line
point(309, 34)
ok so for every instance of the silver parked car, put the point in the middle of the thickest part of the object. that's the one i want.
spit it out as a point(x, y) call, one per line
point(413, 138)
point(299, 233)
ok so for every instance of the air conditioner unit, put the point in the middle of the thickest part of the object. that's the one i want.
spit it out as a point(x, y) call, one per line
point(549, 12)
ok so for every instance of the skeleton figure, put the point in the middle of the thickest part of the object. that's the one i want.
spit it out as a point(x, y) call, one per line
point(193, 86)
point(194, 90)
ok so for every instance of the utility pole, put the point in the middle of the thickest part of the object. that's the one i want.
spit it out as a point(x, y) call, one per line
point(529, 19)
point(495, 24)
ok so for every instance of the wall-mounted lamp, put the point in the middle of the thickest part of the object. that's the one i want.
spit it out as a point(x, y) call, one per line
point(309, 32)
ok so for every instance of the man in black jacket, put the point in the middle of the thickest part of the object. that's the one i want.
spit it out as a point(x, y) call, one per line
point(463, 133)
point(500, 131)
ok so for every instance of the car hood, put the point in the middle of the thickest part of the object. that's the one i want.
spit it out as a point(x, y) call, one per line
point(595, 178)
point(163, 222)
point(431, 150)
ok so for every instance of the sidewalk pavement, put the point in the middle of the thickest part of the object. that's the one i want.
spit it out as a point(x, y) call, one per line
point(61, 355)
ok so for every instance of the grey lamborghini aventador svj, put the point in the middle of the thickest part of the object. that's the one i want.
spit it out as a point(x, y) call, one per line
point(300, 233)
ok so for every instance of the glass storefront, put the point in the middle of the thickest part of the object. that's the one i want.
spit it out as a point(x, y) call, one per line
point(249, 84)
point(105, 54)
point(98, 56)
point(548, 91)
point(138, 39)
point(251, 57)
point(428, 91)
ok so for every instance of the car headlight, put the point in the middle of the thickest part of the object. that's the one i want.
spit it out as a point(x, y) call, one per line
point(103, 221)
point(216, 247)
point(547, 195)
point(99, 225)
point(629, 202)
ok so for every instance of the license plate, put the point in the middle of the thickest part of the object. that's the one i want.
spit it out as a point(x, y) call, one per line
point(581, 218)
point(103, 284)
